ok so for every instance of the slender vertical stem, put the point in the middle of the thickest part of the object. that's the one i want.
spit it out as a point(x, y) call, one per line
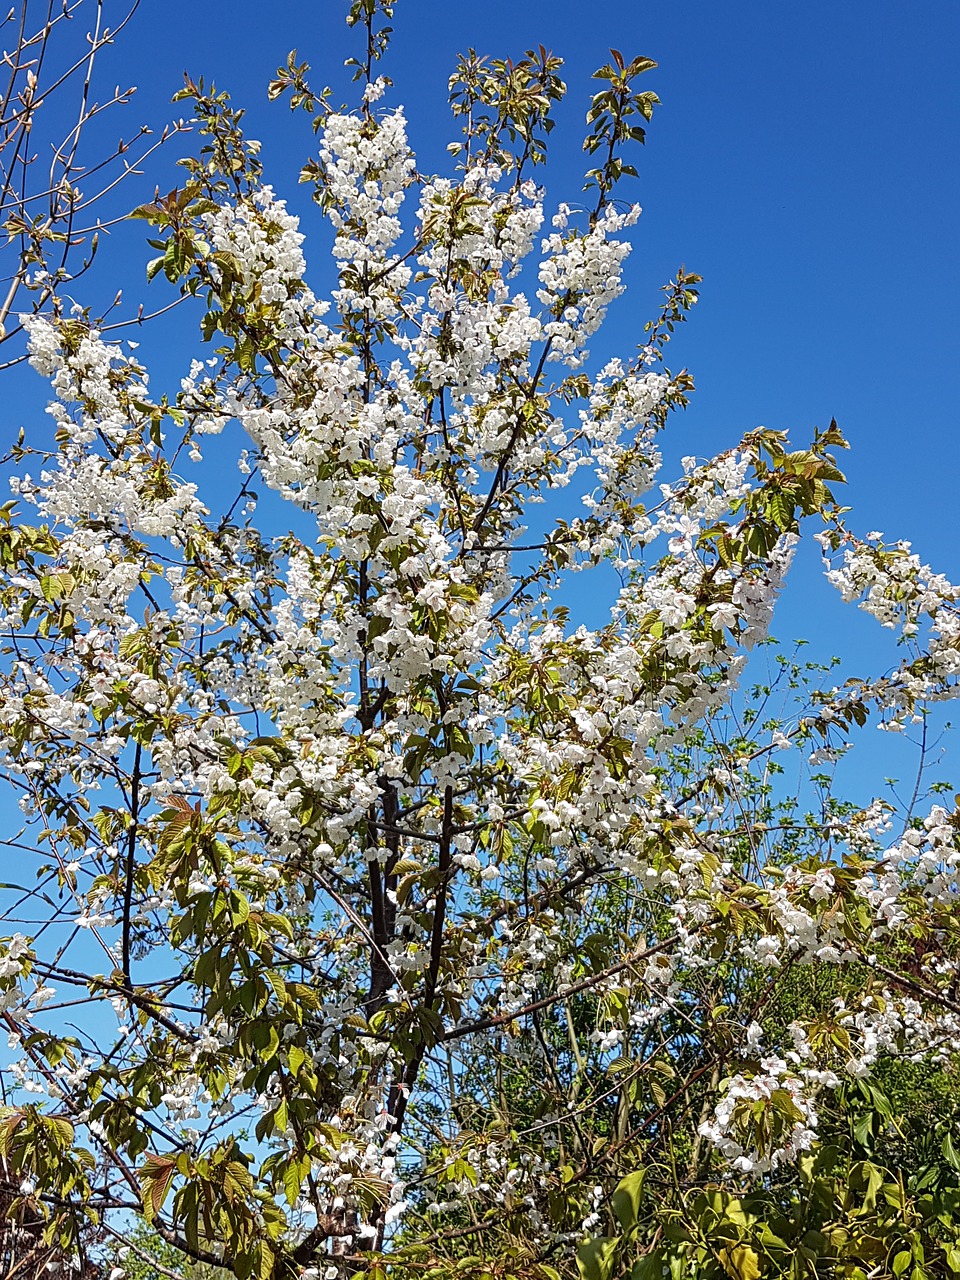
point(130, 868)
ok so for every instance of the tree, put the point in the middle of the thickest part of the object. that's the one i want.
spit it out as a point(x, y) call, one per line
point(411, 927)
point(55, 186)
point(55, 192)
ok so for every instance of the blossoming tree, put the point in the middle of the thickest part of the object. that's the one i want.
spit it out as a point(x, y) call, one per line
point(375, 917)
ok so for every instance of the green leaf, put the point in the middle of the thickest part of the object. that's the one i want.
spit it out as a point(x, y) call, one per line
point(863, 1129)
point(293, 1176)
point(649, 1267)
point(740, 1262)
point(265, 1261)
point(239, 908)
point(155, 1178)
point(595, 1258)
point(626, 1199)
point(280, 1119)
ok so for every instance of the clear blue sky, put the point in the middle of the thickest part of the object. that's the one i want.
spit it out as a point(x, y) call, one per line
point(804, 162)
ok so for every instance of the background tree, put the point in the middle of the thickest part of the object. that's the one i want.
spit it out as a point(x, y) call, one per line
point(384, 919)
point(56, 185)
point(55, 180)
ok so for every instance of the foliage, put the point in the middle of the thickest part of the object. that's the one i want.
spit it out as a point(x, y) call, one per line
point(143, 1255)
point(383, 920)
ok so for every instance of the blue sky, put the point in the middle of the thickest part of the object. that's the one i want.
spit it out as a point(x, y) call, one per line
point(804, 162)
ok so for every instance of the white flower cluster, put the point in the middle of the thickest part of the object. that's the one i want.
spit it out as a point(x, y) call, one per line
point(263, 240)
point(889, 581)
point(579, 277)
point(773, 1100)
point(367, 167)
